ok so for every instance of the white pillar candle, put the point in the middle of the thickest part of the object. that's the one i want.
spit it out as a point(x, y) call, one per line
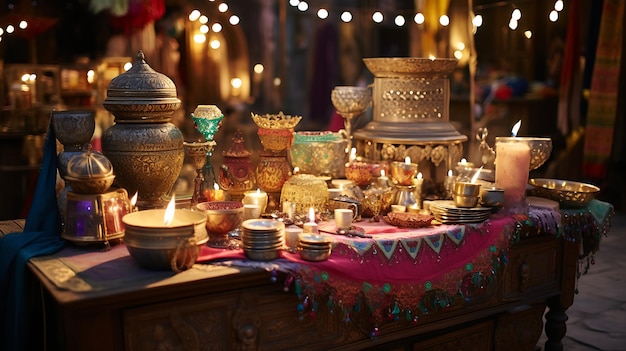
point(512, 167)
point(256, 197)
point(310, 226)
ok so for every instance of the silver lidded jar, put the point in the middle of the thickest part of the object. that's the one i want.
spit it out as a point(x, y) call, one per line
point(145, 148)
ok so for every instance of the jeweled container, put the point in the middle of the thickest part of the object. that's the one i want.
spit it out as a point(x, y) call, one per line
point(320, 153)
point(306, 191)
point(145, 148)
point(237, 174)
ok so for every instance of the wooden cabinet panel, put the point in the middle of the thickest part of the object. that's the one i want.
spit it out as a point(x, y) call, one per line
point(474, 338)
point(533, 267)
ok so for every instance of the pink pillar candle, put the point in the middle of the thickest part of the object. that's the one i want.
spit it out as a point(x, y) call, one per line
point(512, 167)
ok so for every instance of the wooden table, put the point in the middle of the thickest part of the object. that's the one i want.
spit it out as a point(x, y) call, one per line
point(218, 307)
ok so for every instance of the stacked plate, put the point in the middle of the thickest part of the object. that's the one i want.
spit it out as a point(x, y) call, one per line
point(445, 211)
point(262, 239)
point(314, 247)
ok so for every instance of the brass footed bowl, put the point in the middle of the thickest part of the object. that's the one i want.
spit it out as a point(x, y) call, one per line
point(540, 148)
point(221, 218)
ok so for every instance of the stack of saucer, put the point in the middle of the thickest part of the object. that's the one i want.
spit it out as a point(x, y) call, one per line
point(262, 239)
point(314, 247)
point(445, 211)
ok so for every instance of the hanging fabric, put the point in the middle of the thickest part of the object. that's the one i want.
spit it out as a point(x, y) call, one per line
point(603, 102)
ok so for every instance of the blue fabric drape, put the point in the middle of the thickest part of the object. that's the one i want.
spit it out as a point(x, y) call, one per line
point(41, 236)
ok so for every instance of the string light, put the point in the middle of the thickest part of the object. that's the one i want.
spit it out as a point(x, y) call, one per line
point(294, 3)
point(23, 24)
point(516, 14)
point(194, 15)
point(477, 21)
point(377, 17)
point(303, 6)
point(399, 20)
point(223, 7)
point(444, 20)
point(322, 13)
point(558, 5)
point(216, 27)
point(258, 68)
point(10, 29)
point(215, 44)
point(204, 29)
point(346, 16)
point(234, 20)
point(554, 16)
point(528, 34)
point(419, 18)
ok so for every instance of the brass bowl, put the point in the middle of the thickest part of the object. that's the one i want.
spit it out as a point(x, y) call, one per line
point(157, 246)
point(314, 255)
point(568, 193)
point(91, 185)
point(222, 217)
point(262, 255)
point(540, 148)
point(402, 173)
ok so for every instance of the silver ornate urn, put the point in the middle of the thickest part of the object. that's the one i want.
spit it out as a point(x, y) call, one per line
point(145, 148)
point(410, 116)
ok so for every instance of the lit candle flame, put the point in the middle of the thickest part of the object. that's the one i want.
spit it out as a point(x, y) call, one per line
point(296, 170)
point(407, 160)
point(450, 172)
point(432, 57)
point(258, 192)
point(216, 186)
point(312, 215)
point(133, 200)
point(475, 177)
point(382, 173)
point(169, 211)
point(419, 175)
point(516, 128)
point(463, 162)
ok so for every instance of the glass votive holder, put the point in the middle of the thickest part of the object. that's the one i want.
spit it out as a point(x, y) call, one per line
point(359, 173)
point(466, 194)
point(255, 197)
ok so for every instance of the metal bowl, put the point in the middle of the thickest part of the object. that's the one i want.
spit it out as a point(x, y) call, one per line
point(73, 127)
point(222, 217)
point(90, 186)
point(262, 255)
point(157, 246)
point(314, 255)
point(568, 193)
point(540, 148)
point(491, 196)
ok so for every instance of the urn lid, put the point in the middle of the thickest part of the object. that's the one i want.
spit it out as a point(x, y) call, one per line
point(89, 165)
point(141, 81)
point(141, 94)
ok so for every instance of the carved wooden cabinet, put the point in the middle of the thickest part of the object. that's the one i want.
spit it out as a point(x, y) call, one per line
point(222, 308)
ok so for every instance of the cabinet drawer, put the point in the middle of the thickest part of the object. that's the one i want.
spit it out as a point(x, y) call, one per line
point(264, 318)
point(477, 337)
point(533, 269)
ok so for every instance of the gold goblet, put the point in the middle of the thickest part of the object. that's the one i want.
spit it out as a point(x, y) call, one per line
point(350, 102)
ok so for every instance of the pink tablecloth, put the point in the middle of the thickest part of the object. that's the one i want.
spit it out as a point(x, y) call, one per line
point(394, 268)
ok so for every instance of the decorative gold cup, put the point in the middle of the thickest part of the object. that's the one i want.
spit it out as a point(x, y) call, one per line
point(466, 194)
point(403, 173)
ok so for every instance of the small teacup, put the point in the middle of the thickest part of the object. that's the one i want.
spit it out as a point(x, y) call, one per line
point(344, 218)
